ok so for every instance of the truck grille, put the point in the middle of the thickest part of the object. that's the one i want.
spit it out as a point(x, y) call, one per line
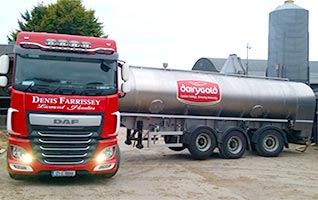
point(65, 146)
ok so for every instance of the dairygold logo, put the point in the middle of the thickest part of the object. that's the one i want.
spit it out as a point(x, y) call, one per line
point(198, 92)
point(198, 84)
point(198, 88)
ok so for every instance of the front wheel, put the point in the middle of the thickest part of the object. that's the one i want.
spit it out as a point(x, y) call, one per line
point(17, 176)
point(202, 143)
point(270, 143)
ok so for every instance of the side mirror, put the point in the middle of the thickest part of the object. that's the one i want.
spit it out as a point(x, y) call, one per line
point(125, 87)
point(3, 81)
point(125, 72)
point(4, 64)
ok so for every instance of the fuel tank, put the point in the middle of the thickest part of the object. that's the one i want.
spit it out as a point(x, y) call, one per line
point(166, 91)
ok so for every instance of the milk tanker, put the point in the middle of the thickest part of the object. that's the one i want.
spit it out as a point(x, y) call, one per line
point(204, 110)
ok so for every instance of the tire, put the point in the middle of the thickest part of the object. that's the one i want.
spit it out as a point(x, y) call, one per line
point(270, 142)
point(17, 176)
point(233, 144)
point(202, 143)
point(172, 139)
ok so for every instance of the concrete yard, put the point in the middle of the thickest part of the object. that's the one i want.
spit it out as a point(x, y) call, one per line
point(160, 173)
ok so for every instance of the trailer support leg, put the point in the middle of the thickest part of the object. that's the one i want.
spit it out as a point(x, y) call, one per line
point(139, 139)
point(128, 137)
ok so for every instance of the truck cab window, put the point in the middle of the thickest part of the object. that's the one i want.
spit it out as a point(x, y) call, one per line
point(60, 73)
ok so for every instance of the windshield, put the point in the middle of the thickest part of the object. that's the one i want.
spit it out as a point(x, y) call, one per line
point(65, 75)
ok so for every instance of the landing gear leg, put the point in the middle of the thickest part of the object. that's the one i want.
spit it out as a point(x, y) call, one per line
point(139, 139)
point(128, 137)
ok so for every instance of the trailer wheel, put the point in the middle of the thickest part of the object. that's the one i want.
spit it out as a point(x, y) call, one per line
point(202, 143)
point(270, 142)
point(172, 139)
point(233, 144)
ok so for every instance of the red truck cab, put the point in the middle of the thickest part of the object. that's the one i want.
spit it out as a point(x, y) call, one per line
point(63, 119)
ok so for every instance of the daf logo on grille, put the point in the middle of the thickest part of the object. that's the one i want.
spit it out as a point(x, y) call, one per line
point(65, 121)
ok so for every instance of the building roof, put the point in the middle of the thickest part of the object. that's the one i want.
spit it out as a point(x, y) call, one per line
point(258, 67)
point(288, 5)
point(233, 65)
point(205, 64)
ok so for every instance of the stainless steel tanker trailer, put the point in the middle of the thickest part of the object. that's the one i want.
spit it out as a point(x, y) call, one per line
point(202, 111)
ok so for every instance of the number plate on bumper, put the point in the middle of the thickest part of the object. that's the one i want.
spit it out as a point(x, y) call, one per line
point(69, 173)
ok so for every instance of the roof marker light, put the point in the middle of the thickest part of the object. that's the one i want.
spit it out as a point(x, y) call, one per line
point(86, 45)
point(62, 43)
point(50, 42)
point(74, 44)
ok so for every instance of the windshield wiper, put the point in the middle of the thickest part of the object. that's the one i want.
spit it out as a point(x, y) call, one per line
point(28, 88)
point(99, 86)
point(47, 80)
point(92, 92)
point(61, 90)
point(36, 84)
point(40, 88)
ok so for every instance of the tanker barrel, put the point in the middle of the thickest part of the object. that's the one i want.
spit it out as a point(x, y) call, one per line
point(166, 91)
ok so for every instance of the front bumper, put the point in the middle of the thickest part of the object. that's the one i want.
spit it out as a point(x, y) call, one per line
point(36, 168)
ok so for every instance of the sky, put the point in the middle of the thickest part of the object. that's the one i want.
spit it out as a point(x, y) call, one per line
point(179, 32)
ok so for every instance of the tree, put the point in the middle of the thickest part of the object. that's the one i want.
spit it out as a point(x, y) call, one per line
point(65, 16)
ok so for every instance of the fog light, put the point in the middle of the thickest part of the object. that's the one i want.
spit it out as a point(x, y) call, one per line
point(104, 167)
point(20, 154)
point(106, 154)
point(22, 168)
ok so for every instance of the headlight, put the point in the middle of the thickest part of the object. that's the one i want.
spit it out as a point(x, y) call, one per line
point(19, 153)
point(106, 154)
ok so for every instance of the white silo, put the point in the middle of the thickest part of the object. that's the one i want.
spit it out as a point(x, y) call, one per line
point(288, 43)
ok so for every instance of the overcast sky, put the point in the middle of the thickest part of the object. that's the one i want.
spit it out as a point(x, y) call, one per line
point(150, 32)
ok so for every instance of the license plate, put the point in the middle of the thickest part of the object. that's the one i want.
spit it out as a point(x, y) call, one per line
point(69, 173)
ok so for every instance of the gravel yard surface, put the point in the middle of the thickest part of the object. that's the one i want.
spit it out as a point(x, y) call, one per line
point(160, 173)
